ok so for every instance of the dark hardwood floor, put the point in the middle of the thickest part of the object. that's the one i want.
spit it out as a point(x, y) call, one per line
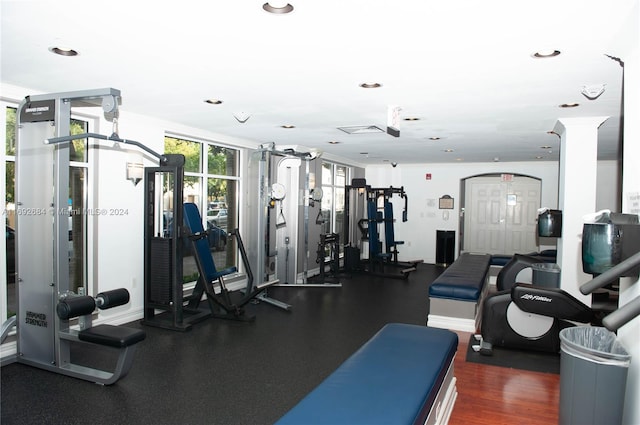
point(225, 372)
point(493, 395)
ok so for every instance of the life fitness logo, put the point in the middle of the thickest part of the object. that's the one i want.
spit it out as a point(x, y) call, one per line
point(531, 297)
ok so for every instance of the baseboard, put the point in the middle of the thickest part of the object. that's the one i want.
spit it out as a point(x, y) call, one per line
point(452, 323)
point(8, 351)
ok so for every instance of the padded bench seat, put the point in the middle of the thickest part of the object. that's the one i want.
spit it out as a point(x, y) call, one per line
point(545, 256)
point(112, 336)
point(455, 296)
point(464, 279)
point(402, 375)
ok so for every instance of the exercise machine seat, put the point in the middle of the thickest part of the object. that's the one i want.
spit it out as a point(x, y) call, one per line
point(193, 220)
point(112, 336)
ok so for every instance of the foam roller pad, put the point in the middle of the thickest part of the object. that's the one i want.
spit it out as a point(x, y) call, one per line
point(75, 306)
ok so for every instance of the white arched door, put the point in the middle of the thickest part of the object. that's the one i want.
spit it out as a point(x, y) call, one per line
point(500, 214)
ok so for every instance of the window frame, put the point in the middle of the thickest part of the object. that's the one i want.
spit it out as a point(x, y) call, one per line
point(333, 188)
point(201, 194)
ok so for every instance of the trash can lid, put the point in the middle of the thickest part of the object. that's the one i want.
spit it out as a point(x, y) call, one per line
point(546, 267)
point(594, 343)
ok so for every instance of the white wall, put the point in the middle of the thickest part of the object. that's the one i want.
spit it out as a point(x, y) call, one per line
point(608, 186)
point(419, 232)
point(118, 235)
point(424, 217)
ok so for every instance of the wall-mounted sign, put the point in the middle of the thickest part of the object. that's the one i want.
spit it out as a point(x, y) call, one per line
point(446, 202)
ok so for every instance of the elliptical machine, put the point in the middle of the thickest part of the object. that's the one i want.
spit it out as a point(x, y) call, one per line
point(528, 317)
point(531, 317)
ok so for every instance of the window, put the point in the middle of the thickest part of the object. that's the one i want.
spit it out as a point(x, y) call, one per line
point(334, 178)
point(78, 180)
point(211, 182)
point(8, 307)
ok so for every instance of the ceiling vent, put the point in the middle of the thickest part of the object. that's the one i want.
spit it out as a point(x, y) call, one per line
point(361, 129)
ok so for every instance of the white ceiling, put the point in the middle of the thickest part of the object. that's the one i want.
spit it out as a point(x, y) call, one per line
point(464, 67)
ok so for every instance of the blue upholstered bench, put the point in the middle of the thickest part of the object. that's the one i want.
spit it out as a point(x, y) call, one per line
point(546, 256)
point(455, 296)
point(402, 375)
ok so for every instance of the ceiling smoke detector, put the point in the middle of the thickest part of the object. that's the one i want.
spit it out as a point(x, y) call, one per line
point(593, 91)
point(242, 117)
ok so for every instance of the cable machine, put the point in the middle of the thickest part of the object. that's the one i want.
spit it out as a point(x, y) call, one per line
point(47, 300)
point(274, 207)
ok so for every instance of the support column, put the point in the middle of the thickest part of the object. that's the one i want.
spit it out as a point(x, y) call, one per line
point(576, 195)
point(630, 287)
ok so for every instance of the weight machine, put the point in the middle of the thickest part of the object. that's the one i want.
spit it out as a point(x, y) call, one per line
point(168, 234)
point(364, 201)
point(274, 206)
point(46, 300)
point(329, 242)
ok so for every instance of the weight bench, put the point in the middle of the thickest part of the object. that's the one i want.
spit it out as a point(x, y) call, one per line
point(456, 296)
point(402, 375)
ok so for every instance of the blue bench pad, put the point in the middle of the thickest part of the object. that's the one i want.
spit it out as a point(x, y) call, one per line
point(546, 256)
point(462, 280)
point(394, 378)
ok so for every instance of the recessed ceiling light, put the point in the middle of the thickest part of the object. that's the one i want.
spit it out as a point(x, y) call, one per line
point(333, 142)
point(448, 150)
point(434, 138)
point(411, 119)
point(63, 51)
point(364, 153)
point(277, 7)
point(538, 157)
point(213, 101)
point(288, 126)
point(569, 105)
point(370, 85)
point(545, 147)
point(548, 53)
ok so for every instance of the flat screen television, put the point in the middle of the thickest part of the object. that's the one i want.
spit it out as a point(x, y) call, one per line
point(606, 244)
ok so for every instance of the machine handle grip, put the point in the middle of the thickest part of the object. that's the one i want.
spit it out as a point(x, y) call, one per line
point(610, 275)
point(624, 314)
